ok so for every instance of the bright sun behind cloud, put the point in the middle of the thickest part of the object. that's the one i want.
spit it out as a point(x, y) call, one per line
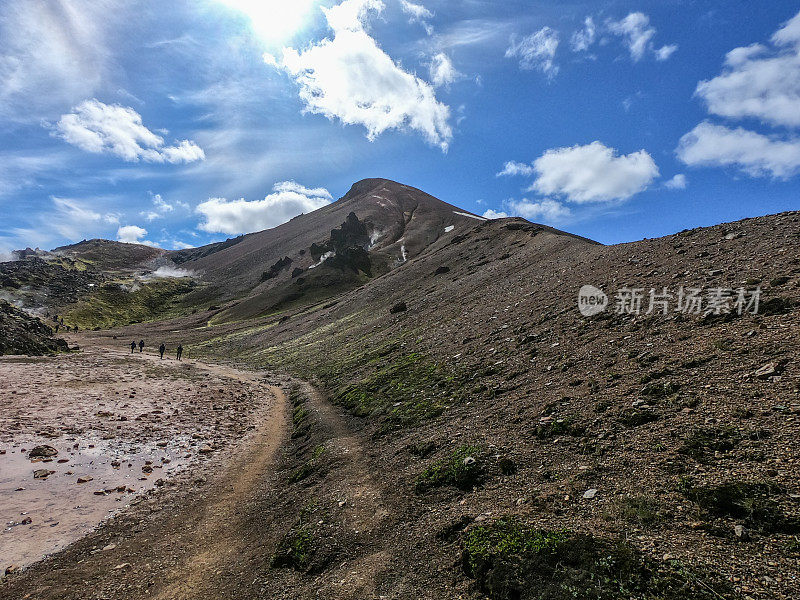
point(274, 20)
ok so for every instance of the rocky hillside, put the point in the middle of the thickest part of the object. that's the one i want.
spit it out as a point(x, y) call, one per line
point(22, 334)
point(516, 447)
point(528, 451)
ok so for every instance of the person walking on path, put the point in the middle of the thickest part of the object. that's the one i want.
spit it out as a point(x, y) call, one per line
point(161, 349)
point(133, 347)
point(180, 352)
point(141, 346)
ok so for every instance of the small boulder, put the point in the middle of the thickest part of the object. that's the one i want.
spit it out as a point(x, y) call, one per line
point(43, 452)
point(768, 370)
point(398, 308)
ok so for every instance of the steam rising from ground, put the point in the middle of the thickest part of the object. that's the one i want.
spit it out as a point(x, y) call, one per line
point(8, 256)
point(169, 272)
point(322, 259)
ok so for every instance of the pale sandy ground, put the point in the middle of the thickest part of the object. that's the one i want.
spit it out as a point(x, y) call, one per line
point(130, 422)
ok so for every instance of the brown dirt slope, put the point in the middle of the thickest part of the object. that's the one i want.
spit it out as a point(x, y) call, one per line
point(682, 423)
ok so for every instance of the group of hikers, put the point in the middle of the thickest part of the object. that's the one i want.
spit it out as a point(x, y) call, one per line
point(60, 323)
point(161, 349)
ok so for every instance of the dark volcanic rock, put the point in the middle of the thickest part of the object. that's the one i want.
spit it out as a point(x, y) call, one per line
point(276, 269)
point(398, 308)
point(22, 334)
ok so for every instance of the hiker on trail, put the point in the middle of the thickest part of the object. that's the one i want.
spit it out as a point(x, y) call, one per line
point(57, 326)
point(76, 329)
point(141, 346)
point(133, 347)
point(180, 352)
point(161, 349)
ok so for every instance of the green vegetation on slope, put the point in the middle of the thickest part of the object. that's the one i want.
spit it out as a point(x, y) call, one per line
point(402, 390)
point(114, 305)
point(513, 561)
point(463, 468)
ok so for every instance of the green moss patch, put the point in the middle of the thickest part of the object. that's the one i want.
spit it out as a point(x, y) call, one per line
point(464, 468)
point(754, 503)
point(704, 442)
point(403, 391)
point(309, 467)
point(513, 561)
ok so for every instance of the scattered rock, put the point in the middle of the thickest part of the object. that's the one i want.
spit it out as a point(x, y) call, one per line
point(42, 473)
point(589, 494)
point(769, 370)
point(205, 450)
point(85, 479)
point(398, 308)
point(741, 532)
point(43, 452)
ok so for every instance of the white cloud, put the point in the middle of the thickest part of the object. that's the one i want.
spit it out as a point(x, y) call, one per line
point(65, 219)
point(536, 51)
point(52, 54)
point(102, 128)
point(548, 211)
point(131, 234)
point(352, 79)
point(513, 168)
point(545, 211)
point(583, 39)
point(416, 11)
point(679, 182)
point(759, 82)
point(72, 218)
point(638, 36)
point(593, 173)
point(162, 205)
point(418, 14)
point(242, 216)
point(665, 52)
point(753, 153)
point(443, 73)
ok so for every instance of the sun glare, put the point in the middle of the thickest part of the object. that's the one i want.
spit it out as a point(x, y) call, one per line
point(274, 20)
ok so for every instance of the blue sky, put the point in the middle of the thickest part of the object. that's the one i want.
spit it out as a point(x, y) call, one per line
point(186, 124)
